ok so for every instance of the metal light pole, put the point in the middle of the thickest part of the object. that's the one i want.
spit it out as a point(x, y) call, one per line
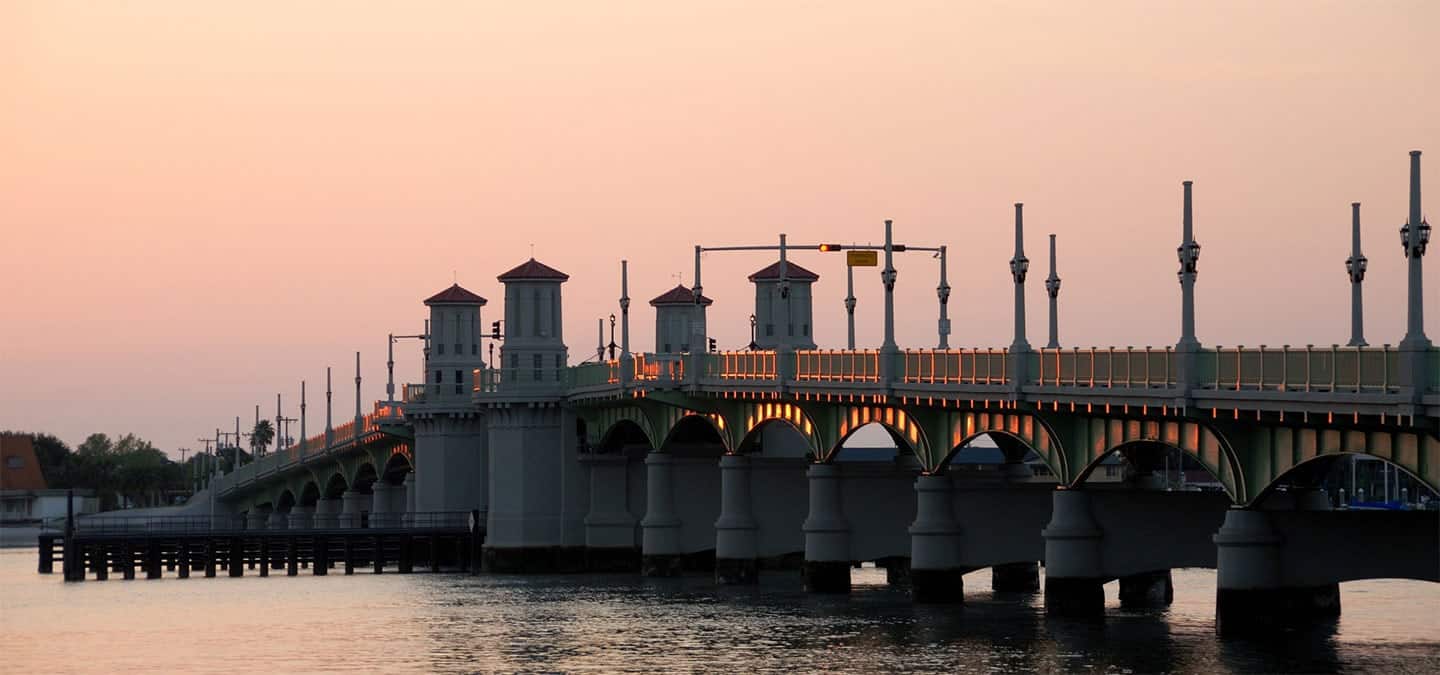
point(849, 309)
point(1355, 267)
point(329, 428)
point(1189, 254)
point(887, 277)
point(943, 292)
point(752, 347)
point(1019, 266)
point(1415, 236)
point(1052, 288)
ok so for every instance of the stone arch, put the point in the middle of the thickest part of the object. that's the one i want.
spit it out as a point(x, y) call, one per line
point(622, 434)
point(1014, 428)
point(1272, 451)
point(1320, 465)
point(334, 486)
point(757, 415)
point(1196, 440)
point(1144, 454)
point(396, 468)
point(694, 426)
point(364, 476)
point(285, 501)
point(1015, 448)
point(600, 423)
point(906, 434)
point(309, 494)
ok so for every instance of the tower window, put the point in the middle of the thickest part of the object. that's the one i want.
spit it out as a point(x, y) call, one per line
point(459, 378)
point(440, 348)
point(559, 366)
point(539, 362)
point(439, 376)
point(805, 329)
point(474, 349)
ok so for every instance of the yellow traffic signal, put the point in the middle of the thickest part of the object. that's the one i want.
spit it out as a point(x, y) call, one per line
point(826, 248)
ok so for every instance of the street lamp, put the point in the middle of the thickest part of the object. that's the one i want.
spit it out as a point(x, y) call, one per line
point(612, 344)
point(1416, 249)
point(752, 346)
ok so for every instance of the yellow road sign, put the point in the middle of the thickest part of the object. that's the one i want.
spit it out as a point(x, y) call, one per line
point(862, 258)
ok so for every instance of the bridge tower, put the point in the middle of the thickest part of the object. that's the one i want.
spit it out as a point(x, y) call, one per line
point(537, 487)
point(783, 311)
point(450, 438)
point(680, 321)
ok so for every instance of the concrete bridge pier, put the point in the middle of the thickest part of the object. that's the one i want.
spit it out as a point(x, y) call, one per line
point(301, 517)
point(736, 532)
point(279, 520)
point(352, 505)
point(383, 498)
point(936, 574)
point(609, 526)
point(408, 519)
point(1250, 596)
point(1074, 577)
point(327, 514)
point(1147, 589)
point(660, 551)
point(827, 533)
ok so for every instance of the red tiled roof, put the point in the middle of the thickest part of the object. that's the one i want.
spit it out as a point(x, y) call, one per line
point(25, 474)
point(679, 295)
point(455, 295)
point(793, 272)
point(534, 270)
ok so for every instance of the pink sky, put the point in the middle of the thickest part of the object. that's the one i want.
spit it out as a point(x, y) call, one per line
point(203, 203)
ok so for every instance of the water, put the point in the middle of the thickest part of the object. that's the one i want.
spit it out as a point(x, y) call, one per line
point(454, 623)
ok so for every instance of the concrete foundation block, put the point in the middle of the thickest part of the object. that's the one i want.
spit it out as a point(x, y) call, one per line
point(1021, 577)
point(532, 560)
point(1261, 612)
point(737, 571)
point(662, 565)
point(1147, 589)
point(1074, 596)
point(938, 586)
point(826, 576)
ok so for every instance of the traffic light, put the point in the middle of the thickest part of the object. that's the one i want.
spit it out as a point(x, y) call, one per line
point(712, 345)
point(827, 248)
point(495, 330)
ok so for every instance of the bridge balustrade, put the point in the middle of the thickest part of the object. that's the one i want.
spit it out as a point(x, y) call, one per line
point(746, 365)
point(1131, 367)
point(831, 365)
point(956, 366)
point(415, 393)
point(1308, 369)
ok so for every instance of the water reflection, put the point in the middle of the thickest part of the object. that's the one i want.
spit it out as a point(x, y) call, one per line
point(444, 623)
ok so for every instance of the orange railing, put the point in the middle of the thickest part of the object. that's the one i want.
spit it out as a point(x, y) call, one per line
point(831, 365)
point(747, 365)
point(956, 366)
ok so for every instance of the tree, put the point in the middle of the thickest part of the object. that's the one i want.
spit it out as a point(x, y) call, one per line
point(261, 436)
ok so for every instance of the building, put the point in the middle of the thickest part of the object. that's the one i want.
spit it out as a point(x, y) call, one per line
point(24, 497)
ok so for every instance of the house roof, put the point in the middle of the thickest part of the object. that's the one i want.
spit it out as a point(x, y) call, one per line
point(19, 467)
point(534, 270)
point(679, 295)
point(455, 295)
point(793, 272)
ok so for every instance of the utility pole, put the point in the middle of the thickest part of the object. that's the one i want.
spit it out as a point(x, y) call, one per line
point(1052, 288)
point(1355, 267)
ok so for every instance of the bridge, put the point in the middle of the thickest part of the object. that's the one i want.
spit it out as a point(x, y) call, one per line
point(741, 462)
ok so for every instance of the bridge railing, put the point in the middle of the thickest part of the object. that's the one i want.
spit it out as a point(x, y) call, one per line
point(741, 365)
point(955, 366)
point(1134, 367)
point(1309, 368)
point(830, 365)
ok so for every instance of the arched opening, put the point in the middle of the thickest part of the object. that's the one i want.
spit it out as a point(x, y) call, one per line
point(776, 438)
point(627, 438)
point(694, 436)
point(365, 477)
point(396, 469)
point(335, 486)
point(1150, 465)
point(1348, 480)
point(310, 494)
point(999, 454)
point(873, 442)
point(285, 502)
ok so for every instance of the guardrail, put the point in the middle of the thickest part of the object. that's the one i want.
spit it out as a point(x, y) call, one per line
point(816, 365)
point(115, 525)
point(1135, 367)
point(747, 365)
point(955, 366)
point(1306, 369)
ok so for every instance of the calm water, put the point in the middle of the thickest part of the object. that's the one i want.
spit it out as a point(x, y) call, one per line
point(450, 623)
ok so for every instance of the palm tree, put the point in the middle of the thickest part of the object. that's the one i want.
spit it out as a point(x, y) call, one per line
point(263, 433)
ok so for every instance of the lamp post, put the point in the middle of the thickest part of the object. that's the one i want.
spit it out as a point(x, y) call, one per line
point(612, 344)
point(1019, 266)
point(1355, 268)
point(1188, 253)
point(1052, 288)
point(1414, 237)
point(752, 346)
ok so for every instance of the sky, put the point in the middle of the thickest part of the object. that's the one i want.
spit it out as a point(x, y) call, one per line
point(202, 204)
